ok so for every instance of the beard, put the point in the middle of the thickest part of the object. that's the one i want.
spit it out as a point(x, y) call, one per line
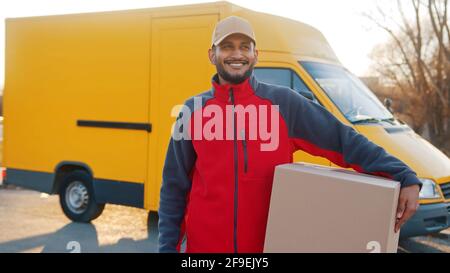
point(234, 79)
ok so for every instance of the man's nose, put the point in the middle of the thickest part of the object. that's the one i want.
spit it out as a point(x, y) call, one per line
point(237, 53)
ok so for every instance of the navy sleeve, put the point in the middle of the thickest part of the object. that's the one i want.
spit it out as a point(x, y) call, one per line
point(315, 130)
point(175, 188)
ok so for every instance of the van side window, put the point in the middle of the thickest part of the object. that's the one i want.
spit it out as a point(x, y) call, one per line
point(284, 77)
point(278, 76)
point(299, 86)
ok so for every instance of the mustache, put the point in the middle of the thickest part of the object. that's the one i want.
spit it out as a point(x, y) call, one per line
point(243, 61)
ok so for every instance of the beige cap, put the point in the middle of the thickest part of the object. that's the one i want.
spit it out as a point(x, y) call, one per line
point(232, 25)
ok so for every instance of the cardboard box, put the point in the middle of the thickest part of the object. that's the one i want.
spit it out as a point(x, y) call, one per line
point(322, 209)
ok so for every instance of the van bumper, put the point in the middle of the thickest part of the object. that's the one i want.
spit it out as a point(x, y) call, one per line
point(429, 218)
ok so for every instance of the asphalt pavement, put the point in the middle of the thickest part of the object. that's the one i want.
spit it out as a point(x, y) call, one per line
point(34, 222)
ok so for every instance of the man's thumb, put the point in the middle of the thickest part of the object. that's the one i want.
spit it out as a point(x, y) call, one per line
point(400, 209)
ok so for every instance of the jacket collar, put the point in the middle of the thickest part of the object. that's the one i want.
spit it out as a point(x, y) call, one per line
point(240, 91)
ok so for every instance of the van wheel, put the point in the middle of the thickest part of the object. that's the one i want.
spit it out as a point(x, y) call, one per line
point(152, 224)
point(77, 199)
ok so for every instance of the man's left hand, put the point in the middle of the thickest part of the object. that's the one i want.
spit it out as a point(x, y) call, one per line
point(408, 202)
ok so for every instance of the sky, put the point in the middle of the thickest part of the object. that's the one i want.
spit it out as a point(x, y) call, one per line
point(351, 35)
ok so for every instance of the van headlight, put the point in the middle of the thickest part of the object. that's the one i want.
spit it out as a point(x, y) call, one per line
point(429, 189)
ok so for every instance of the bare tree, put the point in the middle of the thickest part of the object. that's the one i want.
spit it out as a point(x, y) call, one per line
point(416, 61)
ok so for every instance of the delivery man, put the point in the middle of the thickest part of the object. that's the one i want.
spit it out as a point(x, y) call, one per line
point(220, 162)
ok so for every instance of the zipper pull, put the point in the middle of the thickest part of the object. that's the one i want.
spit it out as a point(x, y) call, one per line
point(243, 137)
point(244, 146)
point(231, 96)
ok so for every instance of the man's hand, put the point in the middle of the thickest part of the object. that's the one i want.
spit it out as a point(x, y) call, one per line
point(408, 202)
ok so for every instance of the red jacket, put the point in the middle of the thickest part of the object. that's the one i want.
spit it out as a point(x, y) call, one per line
point(216, 191)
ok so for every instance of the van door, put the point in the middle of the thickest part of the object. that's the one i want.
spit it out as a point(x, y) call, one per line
point(180, 69)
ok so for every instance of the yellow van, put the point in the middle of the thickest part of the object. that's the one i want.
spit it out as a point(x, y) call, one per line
point(88, 102)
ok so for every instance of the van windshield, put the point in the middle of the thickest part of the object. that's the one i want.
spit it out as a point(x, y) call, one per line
point(351, 96)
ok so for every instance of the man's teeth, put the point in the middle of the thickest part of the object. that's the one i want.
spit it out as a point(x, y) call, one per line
point(236, 64)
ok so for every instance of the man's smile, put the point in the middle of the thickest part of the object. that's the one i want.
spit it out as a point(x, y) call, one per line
point(236, 64)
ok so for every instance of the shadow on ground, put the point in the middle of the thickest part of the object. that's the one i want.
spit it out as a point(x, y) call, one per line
point(87, 241)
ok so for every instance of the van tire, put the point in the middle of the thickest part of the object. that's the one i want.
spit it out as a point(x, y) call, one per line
point(152, 224)
point(77, 198)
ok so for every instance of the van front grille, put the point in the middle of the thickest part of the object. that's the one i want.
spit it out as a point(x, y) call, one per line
point(446, 190)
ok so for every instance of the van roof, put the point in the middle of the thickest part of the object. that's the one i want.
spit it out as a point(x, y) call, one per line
point(285, 35)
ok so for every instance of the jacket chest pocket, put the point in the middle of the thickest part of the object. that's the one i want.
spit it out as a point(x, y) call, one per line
point(245, 150)
point(255, 163)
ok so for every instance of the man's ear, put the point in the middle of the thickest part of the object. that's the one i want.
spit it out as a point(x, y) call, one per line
point(212, 55)
point(256, 56)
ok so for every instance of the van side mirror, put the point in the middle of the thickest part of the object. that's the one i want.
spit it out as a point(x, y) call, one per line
point(307, 95)
point(388, 104)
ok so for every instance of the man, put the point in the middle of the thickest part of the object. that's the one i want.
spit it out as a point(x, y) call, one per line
point(216, 190)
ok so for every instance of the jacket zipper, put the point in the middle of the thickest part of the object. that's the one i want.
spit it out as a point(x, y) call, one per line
point(235, 175)
point(244, 146)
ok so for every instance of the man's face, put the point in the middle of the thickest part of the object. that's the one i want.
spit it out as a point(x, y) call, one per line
point(234, 58)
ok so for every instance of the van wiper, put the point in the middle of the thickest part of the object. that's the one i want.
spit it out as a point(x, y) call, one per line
point(390, 120)
point(365, 120)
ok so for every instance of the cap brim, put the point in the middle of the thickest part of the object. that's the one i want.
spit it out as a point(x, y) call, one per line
point(228, 34)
